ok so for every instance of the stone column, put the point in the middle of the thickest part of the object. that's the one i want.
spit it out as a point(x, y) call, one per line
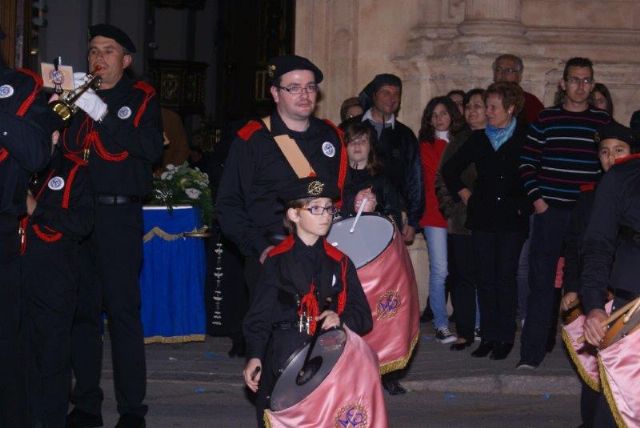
point(492, 17)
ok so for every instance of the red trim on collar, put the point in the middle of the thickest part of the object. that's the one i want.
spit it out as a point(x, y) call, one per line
point(249, 129)
point(332, 251)
point(3, 154)
point(627, 158)
point(32, 96)
point(149, 92)
point(282, 247)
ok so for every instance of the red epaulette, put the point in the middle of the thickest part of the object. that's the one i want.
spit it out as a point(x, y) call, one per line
point(282, 247)
point(332, 251)
point(249, 129)
point(149, 92)
point(32, 96)
point(627, 158)
point(342, 172)
point(588, 187)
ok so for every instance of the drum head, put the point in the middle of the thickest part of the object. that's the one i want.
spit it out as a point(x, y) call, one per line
point(288, 390)
point(371, 236)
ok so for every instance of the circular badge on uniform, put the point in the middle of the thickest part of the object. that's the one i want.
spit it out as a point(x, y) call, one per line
point(124, 113)
point(328, 149)
point(56, 183)
point(6, 91)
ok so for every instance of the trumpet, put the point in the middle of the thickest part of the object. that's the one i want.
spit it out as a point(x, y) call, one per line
point(65, 105)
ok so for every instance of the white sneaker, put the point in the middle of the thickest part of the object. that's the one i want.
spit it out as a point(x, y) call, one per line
point(444, 336)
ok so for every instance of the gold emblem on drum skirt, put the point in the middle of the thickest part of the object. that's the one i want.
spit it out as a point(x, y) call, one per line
point(315, 188)
point(353, 415)
point(388, 305)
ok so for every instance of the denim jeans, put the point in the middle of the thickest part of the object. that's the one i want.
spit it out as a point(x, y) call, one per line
point(437, 249)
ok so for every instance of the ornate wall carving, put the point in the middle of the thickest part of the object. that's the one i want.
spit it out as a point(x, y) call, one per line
point(438, 45)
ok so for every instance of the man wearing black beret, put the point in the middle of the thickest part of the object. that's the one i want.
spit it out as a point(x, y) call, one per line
point(119, 133)
point(260, 162)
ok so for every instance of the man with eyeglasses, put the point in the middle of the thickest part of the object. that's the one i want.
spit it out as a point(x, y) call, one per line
point(559, 156)
point(258, 167)
point(509, 68)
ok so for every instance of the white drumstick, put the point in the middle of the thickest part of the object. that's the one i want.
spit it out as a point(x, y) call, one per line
point(364, 203)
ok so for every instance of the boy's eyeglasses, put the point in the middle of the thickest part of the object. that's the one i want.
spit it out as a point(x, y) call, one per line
point(318, 210)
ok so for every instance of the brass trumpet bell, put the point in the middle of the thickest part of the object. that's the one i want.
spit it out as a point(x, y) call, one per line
point(65, 105)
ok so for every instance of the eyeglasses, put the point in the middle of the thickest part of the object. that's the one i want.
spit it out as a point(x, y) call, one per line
point(507, 70)
point(318, 210)
point(578, 80)
point(297, 90)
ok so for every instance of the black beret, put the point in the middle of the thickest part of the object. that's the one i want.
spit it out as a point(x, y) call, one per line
point(615, 130)
point(112, 32)
point(309, 187)
point(366, 96)
point(280, 65)
point(635, 121)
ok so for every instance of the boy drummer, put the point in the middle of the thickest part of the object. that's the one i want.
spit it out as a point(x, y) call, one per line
point(305, 282)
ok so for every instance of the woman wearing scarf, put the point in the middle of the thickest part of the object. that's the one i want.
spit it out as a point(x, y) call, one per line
point(497, 213)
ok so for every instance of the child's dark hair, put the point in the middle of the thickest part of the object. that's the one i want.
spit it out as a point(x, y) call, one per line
point(354, 130)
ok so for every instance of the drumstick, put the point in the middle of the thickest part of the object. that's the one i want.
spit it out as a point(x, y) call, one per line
point(364, 204)
point(629, 314)
point(614, 316)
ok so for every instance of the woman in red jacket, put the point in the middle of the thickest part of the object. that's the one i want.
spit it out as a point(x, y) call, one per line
point(440, 121)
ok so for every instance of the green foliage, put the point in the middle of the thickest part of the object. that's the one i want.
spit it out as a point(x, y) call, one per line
point(183, 185)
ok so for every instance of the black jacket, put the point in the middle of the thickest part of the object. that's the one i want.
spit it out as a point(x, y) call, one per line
point(397, 151)
point(386, 194)
point(124, 146)
point(248, 208)
point(612, 240)
point(498, 202)
point(64, 210)
point(26, 124)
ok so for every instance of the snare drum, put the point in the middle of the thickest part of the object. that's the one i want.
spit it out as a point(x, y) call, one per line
point(370, 237)
point(344, 392)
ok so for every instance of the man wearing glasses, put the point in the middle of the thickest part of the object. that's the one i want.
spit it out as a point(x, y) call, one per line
point(559, 156)
point(509, 68)
point(259, 167)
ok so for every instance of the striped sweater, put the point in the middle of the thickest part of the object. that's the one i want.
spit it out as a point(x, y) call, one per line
point(560, 154)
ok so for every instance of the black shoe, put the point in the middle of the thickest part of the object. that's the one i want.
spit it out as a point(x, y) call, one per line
point(460, 346)
point(237, 348)
point(526, 365)
point(483, 350)
point(551, 343)
point(427, 314)
point(501, 350)
point(81, 419)
point(393, 387)
point(131, 421)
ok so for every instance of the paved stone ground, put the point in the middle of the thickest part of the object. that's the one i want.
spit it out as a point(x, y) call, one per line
point(197, 385)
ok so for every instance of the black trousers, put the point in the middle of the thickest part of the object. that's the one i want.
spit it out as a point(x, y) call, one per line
point(13, 408)
point(497, 255)
point(112, 260)
point(50, 286)
point(462, 268)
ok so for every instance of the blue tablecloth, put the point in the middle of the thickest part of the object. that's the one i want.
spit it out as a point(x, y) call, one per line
point(172, 277)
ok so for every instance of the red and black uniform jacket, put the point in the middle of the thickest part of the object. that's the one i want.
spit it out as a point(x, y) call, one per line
point(296, 278)
point(26, 125)
point(64, 210)
point(255, 173)
point(122, 148)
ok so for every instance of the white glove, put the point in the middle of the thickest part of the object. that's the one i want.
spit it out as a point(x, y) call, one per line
point(92, 104)
point(79, 78)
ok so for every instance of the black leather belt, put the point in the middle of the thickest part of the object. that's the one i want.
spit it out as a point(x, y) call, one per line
point(286, 325)
point(117, 199)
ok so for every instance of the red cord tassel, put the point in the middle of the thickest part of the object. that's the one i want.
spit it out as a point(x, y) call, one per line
point(309, 305)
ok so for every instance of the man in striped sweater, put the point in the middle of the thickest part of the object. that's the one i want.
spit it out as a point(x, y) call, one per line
point(559, 156)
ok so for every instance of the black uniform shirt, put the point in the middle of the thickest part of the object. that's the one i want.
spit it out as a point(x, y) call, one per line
point(256, 171)
point(26, 124)
point(286, 278)
point(64, 213)
point(610, 257)
point(130, 139)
